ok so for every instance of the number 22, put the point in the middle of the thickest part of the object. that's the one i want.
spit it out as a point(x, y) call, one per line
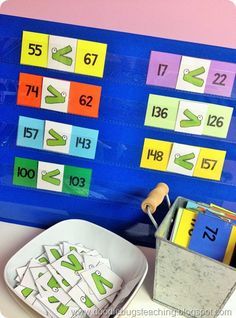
point(219, 79)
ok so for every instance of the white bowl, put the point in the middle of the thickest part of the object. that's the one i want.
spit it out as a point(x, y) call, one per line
point(126, 259)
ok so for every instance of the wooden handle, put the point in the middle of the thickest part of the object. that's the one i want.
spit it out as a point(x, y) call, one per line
point(155, 197)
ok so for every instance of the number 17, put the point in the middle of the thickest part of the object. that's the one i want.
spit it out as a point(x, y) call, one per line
point(162, 69)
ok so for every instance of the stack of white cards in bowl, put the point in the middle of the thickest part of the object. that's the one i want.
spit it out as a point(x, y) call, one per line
point(68, 280)
point(98, 276)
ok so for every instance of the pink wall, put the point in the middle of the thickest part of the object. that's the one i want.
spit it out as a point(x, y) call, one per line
point(204, 21)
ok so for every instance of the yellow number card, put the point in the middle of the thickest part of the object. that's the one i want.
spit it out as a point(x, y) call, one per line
point(186, 227)
point(156, 154)
point(231, 245)
point(210, 164)
point(90, 58)
point(34, 49)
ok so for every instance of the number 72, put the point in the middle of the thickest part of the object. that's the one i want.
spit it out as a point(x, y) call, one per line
point(211, 234)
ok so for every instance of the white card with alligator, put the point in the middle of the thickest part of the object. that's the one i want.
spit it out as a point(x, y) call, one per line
point(102, 280)
point(53, 252)
point(70, 267)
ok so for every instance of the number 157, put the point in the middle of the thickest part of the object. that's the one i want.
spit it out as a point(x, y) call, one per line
point(208, 164)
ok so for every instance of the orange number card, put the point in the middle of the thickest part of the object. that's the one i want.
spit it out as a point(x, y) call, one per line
point(84, 99)
point(29, 90)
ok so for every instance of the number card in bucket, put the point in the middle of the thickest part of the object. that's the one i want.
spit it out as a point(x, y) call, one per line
point(206, 229)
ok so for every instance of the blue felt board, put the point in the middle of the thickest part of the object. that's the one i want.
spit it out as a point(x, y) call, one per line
point(210, 236)
point(118, 183)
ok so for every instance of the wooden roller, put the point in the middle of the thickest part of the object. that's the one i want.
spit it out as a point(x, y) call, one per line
point(155, 197)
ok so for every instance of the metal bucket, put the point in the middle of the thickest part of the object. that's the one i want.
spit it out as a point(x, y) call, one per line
point(188, 282)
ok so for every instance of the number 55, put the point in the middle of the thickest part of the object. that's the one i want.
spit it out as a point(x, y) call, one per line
point(35, 49)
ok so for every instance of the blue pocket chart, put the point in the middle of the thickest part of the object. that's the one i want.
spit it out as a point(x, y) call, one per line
point(91, 120)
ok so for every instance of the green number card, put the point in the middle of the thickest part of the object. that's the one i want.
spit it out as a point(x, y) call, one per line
point(77, 181)
point(161, 112)
point(25, 172)
point(217, 121)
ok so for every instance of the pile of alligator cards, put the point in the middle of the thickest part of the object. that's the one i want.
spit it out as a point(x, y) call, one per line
point(68, 280)
point(206, 229)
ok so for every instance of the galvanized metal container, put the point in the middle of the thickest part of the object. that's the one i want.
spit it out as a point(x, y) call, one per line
point(191, 283)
